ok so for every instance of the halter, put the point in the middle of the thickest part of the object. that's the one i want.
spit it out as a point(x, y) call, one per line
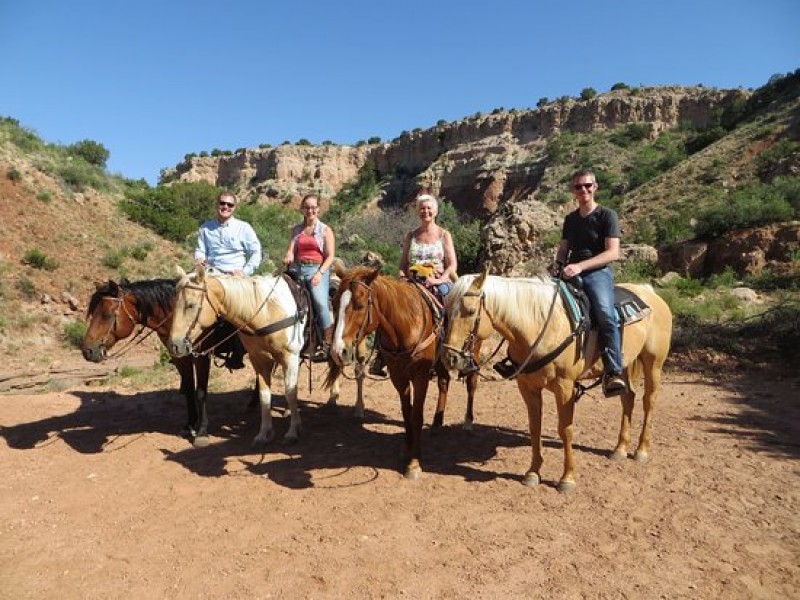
point(467, 348)
point(106, 342)
point(262, 331)
point(420, 345)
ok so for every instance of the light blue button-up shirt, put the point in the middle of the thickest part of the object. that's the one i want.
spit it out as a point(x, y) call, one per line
point(228, 246)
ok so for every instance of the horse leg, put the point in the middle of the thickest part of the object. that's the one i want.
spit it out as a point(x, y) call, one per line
point(202, 366)
point(414, 435)
point(186, 372)
point(652, 389)
point(443, 383)
point(565, 403)
point(403, 387)
point(472, 387)
point(360, 371)
point(291, 372)
point(266, 432)
point(533, 402)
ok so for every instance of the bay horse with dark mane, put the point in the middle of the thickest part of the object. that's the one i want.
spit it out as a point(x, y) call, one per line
point(114, 312)
point(550, 353)
point(409, 334)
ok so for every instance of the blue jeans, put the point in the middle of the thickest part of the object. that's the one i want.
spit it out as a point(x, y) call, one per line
point(599, 286)
point(319, 294)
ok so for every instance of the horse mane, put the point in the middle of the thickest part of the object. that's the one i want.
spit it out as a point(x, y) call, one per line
point(512, 299)
point(248, 299)
point(151, 296)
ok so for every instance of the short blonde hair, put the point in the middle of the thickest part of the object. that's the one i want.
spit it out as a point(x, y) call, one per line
point(230, 195)
point(428, 198)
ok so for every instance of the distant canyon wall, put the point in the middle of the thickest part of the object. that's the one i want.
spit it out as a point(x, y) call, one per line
point(475, 163)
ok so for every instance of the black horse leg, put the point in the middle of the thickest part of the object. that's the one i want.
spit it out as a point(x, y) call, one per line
point(187, 389)
point(202, 366)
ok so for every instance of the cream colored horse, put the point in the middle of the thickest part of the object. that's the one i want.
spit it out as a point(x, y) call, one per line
point(520, 311)
point(264, 310)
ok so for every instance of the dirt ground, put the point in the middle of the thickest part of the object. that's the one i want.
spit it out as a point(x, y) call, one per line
point(100, 498)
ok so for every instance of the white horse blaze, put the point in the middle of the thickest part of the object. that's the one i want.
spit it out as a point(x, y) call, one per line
point(338, 344)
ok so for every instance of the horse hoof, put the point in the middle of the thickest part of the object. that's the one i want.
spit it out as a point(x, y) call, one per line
point(641, 456)
point(566, 487)
point(262, 441)
point(467, 426)
point(413, 474)
point(290, 441)
point(618, 455)
point(200, 441)
point(531, 479)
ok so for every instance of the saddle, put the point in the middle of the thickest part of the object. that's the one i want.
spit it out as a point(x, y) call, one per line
point(302, 297)
point(628, 305)
point(630, 308)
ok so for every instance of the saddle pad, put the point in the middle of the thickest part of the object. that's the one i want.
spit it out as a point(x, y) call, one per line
point(299, 293)
point(628, 305)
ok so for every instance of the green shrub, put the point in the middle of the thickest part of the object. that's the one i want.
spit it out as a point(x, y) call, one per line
point(79, 175)
point(74, 333)
point(26, 287)
point(38, 260)
point(750, 206)
point(92, 152)
point(175, 211)
point(44, 196)
point(141, 250)
point(635, 271)
point(13, 174)
point(113, 259)
point(588, 93)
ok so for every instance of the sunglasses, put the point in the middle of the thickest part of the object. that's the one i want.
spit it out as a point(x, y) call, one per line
point(228, 204)
point(582, 186)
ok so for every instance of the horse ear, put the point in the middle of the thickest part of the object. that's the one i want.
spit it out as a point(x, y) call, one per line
point(338, 267)
point(481, 279)
point(99, 286)
point(179, 270)
point(372, 276)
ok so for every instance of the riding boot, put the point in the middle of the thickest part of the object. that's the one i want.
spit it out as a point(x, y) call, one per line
point(236, 358)
point(378, 367)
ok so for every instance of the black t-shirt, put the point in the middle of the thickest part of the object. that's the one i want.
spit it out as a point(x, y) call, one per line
point(587, 235)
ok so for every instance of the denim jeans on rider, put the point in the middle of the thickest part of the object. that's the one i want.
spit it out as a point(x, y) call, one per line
point(599, 286)
point(319, 294)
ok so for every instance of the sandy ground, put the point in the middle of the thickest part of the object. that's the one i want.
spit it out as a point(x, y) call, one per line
point(100, 498)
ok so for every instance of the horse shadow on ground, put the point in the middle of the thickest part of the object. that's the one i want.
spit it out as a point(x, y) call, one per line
point(331, 438)
point(767, 417)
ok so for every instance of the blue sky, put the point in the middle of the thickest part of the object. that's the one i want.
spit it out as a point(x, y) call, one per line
point(155, 80)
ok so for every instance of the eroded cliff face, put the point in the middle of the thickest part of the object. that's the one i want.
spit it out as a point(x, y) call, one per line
point(488, 166)
point(476, 162)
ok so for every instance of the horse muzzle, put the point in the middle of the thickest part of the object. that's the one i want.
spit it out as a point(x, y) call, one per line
point(180, 347)
point(94, 353)
point(458, 360)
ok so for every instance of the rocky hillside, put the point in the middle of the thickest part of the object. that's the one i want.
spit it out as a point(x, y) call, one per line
point(475, 163)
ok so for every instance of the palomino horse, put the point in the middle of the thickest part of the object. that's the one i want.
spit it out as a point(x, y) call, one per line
point(368, 301)
point(114, 312)
point(261, 308)
point(529, 314)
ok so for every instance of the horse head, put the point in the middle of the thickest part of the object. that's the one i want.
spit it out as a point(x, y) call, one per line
point(466, 309)
point(111, 318)
point(354, 309)
point(194, 311)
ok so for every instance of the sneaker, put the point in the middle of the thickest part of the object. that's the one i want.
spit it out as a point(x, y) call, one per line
point(505, 368)
point(614, 385)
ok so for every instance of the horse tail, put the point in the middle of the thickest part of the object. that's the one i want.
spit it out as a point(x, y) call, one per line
point(334, 371)
point(635, 370)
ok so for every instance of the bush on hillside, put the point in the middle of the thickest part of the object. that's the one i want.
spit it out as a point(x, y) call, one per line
point(173, 211)
point(92, 152)
point(751, 206)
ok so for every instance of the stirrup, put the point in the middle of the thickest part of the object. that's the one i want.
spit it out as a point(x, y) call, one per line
point(614, 385)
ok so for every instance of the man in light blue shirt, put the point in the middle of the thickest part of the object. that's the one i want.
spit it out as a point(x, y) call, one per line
point(231, 246)
point(226, 243)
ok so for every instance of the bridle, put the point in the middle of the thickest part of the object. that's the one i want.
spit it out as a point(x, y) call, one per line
point(466, 352)
point(106, 341)
point(205, 334)
point(365, 323)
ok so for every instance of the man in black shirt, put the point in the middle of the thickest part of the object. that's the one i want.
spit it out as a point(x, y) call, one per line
point(589, 244)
